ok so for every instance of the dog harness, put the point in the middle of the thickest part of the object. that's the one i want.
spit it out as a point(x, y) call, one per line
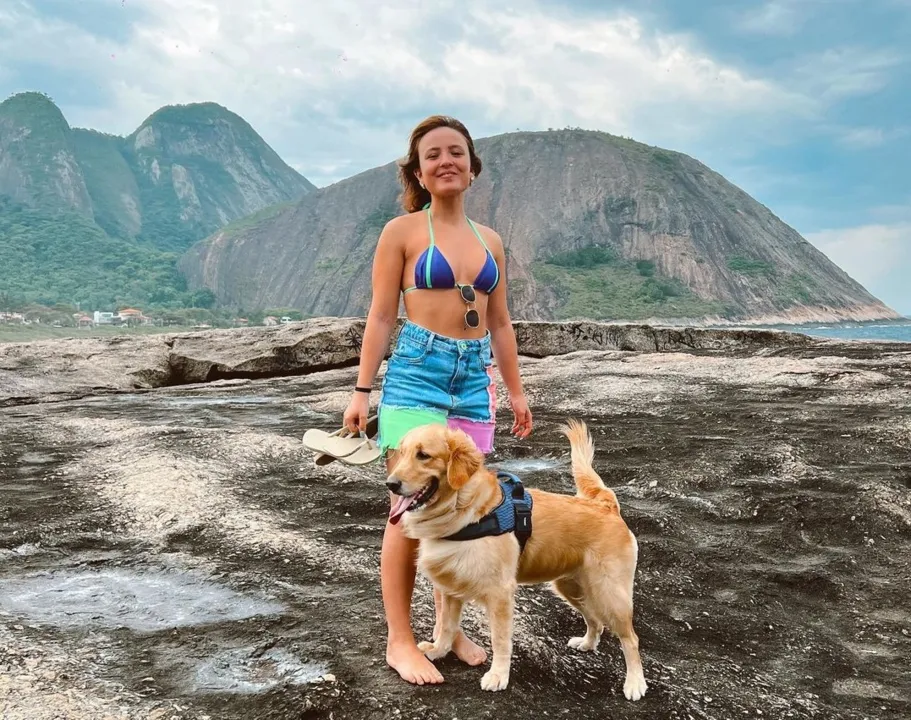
point(513, 514)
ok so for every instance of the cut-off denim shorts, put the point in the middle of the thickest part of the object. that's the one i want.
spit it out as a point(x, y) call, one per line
point(433, 378)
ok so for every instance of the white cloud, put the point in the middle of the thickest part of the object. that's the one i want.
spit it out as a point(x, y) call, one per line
point(867, 253)
point(877, 256)
point(864, 137)
point(870, 136)
point(777, 17)
point(843, 72)
point(786, 17)
point(339, 85)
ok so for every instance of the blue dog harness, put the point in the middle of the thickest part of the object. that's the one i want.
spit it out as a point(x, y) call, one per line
point(513, 514)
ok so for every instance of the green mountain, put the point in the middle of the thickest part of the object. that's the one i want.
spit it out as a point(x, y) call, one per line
point(101, 220)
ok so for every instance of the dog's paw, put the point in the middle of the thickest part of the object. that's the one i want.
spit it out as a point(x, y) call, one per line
point(635, 686)
point(495, 680)
point(431, 651)
point(580, 643)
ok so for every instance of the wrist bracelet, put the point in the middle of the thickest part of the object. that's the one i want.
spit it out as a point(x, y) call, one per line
point(358, 388)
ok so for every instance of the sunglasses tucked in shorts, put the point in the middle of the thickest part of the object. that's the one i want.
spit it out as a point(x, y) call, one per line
point(432, 378)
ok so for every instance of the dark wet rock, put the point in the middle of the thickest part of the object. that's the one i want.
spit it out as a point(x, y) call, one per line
point(768, 486)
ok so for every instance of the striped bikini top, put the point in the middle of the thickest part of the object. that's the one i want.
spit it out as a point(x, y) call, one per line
point(433, 272)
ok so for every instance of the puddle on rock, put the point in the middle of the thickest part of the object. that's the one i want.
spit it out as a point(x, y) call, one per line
point(527, 465)
point(139, 600)
point(244, 670)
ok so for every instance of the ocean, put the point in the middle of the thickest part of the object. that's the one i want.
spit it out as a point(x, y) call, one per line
point(892, 331)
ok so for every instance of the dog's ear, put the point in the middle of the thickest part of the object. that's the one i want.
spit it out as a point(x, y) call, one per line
point(464, 459)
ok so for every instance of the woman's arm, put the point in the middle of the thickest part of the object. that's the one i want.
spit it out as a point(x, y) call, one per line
point(388, 262)
point(503, 341)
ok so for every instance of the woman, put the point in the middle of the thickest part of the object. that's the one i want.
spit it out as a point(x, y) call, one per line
point(452, 274)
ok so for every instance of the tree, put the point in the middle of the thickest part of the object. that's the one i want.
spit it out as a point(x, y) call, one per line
point(203, 298)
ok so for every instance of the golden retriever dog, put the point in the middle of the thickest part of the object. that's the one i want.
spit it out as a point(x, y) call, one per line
point(579, 544)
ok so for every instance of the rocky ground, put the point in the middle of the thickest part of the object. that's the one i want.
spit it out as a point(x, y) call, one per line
point(173, 552)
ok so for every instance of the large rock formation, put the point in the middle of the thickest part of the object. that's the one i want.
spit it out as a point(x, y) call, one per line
point(175, 553)
point(38, 162)
point(74, 367)
point(596, 227)
point(204, 166)
point(98, 220)
point(184, 172)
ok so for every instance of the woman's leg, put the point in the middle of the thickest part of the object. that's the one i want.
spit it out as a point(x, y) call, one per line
point(398, 560)
point(398, 568)
point(464, 648)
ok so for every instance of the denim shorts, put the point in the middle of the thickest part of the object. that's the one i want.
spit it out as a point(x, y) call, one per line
point(432, 378)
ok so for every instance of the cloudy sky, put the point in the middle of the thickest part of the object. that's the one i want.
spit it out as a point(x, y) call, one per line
point(805, 104)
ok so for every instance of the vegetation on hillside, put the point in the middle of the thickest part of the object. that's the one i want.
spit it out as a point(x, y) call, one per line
point(593, 282)
point(64, 257)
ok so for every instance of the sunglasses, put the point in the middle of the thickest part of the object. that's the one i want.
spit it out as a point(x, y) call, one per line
point(472, 317)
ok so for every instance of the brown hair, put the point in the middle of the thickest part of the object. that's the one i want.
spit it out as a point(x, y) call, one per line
point(414, 197)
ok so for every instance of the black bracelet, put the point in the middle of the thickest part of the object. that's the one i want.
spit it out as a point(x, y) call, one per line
point(358, 388)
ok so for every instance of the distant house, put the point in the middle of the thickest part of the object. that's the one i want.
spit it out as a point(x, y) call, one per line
point(241, 321)
point(285, 320)
point(270, 320)
point(12, 318)
point(132, 316)
point(105, 318)
point(84, 321)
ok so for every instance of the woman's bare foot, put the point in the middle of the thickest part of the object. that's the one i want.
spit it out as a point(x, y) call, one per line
point(411, 664)
point(468, 651)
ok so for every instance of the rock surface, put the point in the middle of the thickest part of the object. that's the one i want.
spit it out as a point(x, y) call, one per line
point(69, 368)
point(768, 486)
point(183, 173)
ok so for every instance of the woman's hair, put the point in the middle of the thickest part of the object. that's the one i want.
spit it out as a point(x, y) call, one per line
point(414, 197)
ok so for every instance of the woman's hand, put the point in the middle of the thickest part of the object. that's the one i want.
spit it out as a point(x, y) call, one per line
point(522, 426)
point(355, 417)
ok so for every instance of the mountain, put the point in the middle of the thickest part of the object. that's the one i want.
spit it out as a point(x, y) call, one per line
point(38, 164)
point(595, 226)
point(101, 219)
point(198, 167)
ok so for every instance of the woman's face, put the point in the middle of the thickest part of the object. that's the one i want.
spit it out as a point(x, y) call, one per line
point(445, 165)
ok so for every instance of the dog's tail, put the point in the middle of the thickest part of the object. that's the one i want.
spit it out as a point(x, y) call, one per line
point(582, 451)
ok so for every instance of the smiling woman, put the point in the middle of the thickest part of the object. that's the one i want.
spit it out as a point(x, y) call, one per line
point(451, 272)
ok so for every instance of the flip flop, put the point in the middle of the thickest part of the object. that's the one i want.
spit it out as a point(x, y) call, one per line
point(353, 450)
point(315, 440)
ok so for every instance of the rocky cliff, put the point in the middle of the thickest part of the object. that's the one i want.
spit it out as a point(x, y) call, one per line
point(94, 219)
point(184, 172)
point(595, 226)
point(201, 166)
point(38, 163)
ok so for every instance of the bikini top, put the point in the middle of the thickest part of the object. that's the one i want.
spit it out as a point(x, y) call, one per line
point(433, 272)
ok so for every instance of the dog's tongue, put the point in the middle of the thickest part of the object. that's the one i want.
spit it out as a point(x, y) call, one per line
point(395, 514)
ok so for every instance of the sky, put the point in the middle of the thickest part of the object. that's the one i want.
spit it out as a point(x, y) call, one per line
point(805, 104)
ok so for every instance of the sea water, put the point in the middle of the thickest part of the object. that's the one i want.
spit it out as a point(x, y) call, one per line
point(894, 331)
